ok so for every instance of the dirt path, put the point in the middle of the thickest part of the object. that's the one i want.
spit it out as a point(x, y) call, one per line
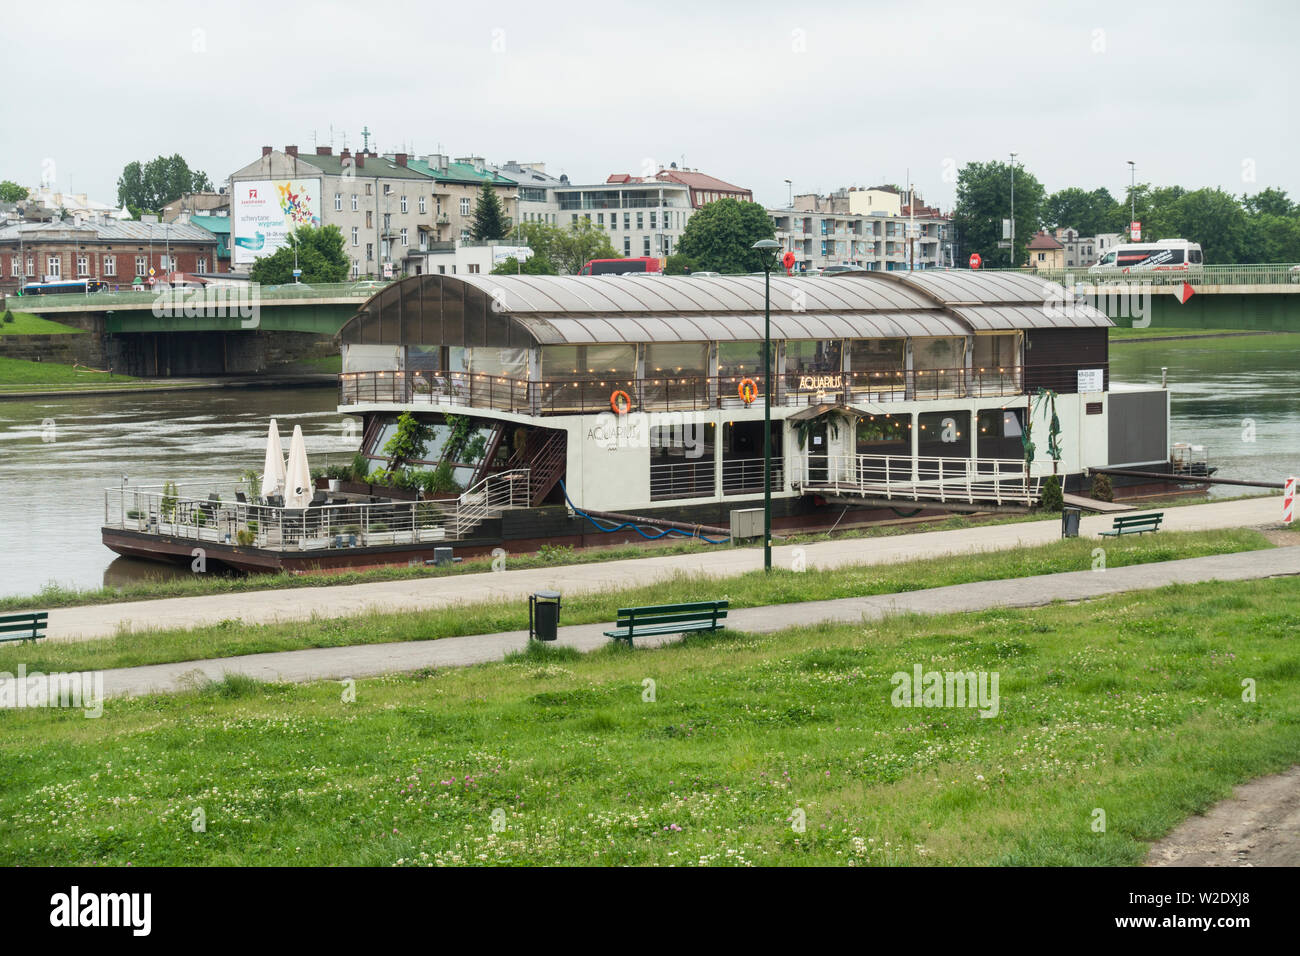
point(1259, 825)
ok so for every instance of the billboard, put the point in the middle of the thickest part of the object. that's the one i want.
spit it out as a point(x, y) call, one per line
point(265, 211)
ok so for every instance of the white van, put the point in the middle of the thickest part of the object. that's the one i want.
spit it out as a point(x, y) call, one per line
point(1167, 255)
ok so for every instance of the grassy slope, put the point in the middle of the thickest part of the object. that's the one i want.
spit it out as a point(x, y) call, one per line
point(25, 323)
point(21, 373)
point(1130, 704)
point(231, 638)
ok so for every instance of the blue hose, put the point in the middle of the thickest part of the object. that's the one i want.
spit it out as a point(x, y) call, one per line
point(628, 524)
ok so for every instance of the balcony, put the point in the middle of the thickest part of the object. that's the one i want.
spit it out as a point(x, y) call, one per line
point(570, 397)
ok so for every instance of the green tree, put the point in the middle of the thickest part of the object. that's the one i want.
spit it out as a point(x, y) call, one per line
point(11, 192)
point(321, 257)
point(1270, 202)
point(678, 264)
point(1216, 220)
point(1091, 213)
point(720, 236)
point(984, 200)
point(152, 185)
point(579, 244)
point(489, 219)
point(534, 265)
point(538, 236)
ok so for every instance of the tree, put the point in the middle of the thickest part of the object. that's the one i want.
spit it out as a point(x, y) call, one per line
point(11, 192)
point(984, 200)
point(579, 244)
point(1270, 202)
point(1091, 213)
point(1216, 220)
point(719, 237)
point(152, 185)
point(489, 219)
point(678, 265)
point(534, 265)
point(321, 258)
point(538, 236)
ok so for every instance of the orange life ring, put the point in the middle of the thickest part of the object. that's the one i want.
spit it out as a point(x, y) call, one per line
point(748, 390)
point(620, 401)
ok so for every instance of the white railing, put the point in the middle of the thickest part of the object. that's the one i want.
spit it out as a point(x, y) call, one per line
point(998, 480)
point(220, 517)
point(490, 496)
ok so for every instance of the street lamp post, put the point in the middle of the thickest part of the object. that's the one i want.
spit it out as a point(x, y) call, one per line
point(766, 247)
point(1132, 194)
point(1013, 211)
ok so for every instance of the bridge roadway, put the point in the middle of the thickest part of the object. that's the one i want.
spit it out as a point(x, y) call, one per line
point(1251, 296)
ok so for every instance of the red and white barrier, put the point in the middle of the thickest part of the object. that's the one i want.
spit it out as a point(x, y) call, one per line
point(1288, 501)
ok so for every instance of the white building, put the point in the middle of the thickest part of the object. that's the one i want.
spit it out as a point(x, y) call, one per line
point(824, 231)
point(643, 217)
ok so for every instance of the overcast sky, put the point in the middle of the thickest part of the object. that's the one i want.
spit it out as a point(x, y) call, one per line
point(827, 95)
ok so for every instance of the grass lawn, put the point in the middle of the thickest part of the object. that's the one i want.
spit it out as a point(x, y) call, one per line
point(1132, 705)
point(25, 323)
point(755, 589)
point(21, 374)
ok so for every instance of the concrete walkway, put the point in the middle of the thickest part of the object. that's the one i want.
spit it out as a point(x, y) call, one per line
point(258, 607)
point(373, 659)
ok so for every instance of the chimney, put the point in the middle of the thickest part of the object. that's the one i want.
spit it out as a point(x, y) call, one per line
point(266, 150)
point(291, 151)
point(361, 160)
point(324, 151)
point(401, 159)
point(346, 154)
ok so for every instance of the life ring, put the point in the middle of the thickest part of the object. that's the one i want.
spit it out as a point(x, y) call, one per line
point(620, 401)
point(748, 390)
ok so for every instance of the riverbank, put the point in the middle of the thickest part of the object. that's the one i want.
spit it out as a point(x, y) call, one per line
point(699, 753)
point(196, 585)
point(23, 379)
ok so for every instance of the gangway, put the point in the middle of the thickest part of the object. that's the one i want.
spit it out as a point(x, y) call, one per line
point(996, 481)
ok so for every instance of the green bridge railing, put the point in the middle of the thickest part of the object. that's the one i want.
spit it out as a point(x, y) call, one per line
point(1283, 273)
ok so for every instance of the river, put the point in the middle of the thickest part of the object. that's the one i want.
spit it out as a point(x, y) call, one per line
point(1239, 397)
point(52, 504)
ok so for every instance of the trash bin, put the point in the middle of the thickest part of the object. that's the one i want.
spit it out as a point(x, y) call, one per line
point(1070, 522)
point(543, 615)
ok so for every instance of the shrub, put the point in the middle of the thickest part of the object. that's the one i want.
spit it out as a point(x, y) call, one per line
point(245, 537)
point(1101, 488)
point(360, 471)
point(9, 316)
point(1052, 499)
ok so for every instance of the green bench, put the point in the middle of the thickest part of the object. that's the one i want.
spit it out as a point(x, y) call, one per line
point(1134, 524)
point(668, 619)
point(23, 627)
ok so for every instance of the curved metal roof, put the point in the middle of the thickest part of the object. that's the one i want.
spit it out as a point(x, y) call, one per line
point(677, 294)
point(513, 311)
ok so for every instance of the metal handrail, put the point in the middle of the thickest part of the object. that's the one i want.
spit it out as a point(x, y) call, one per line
point(924, 477)
point(1256, 273)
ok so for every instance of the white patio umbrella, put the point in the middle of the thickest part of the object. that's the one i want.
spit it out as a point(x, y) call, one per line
point(273, 467)
point(298, 488)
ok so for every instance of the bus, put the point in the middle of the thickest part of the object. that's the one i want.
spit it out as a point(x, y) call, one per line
point(1167, 255)
point(81, 286)
point(613, 267)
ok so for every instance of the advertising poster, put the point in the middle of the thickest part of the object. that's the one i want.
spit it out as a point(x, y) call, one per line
point(266, 211)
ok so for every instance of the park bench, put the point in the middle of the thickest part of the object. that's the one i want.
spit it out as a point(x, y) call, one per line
point(23, 627)
point(668, 619)
point(1134, 524)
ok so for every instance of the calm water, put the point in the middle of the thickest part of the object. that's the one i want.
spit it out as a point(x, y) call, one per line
point(1220, 388)
point(53, 501)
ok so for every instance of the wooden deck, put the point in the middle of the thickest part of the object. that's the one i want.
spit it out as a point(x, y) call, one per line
point(1091, 504)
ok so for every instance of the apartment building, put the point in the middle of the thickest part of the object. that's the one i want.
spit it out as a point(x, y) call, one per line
point(456, 185)
point(883, 235)
point(643, 216)
point(536, 197)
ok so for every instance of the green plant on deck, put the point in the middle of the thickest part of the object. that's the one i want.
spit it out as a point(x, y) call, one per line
point(360, 470)
point(464, 443)
point(408, 442)
point(804, 429)
point(252, 482)
point(245, 538)
point(167, 504)
point(1101, 488)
